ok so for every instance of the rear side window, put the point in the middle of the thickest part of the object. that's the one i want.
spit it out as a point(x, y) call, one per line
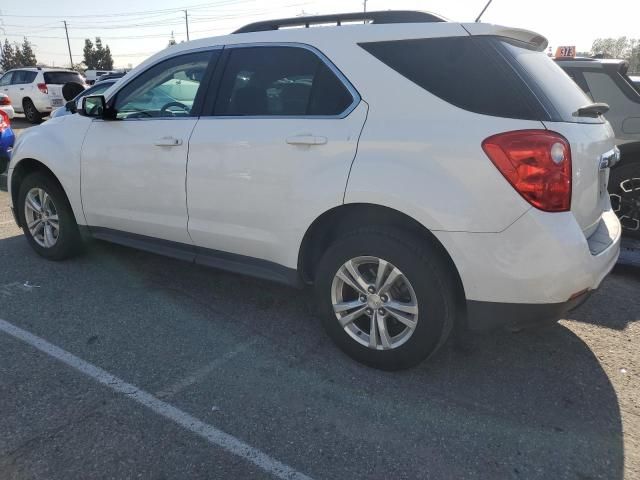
point(60, 78)
point(279, 81)
point(464, 71)
point(23, 76)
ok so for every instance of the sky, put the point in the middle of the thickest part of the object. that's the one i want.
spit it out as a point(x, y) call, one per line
point(134, 30)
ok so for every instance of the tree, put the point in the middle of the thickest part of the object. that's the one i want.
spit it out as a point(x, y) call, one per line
point(89, 56)
point(8, 60)
point(97, 57)
point(27, 56)
point(611, 47)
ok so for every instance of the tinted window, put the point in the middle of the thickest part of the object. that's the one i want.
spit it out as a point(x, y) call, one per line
point(464, 71)
point(550, 81)
point(604, 89)
point(279, 81)
point(168, 89)
point(23, 76)
point(60, 78)
point(6, 79)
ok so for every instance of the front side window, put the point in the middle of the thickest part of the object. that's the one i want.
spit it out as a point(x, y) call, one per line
point(279, 81)
point(168, 89)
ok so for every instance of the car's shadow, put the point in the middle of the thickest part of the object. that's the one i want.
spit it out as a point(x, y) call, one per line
point(530, 400)
point(536, 404)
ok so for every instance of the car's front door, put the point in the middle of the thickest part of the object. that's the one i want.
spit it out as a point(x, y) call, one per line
point(133, 167)
point(273, 154)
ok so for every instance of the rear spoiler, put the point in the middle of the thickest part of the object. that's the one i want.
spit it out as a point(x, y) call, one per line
point(535, 40)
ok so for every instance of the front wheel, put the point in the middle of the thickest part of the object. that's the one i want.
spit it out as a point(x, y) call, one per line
point(47, 219)
point(387, 299)
point(624, 190)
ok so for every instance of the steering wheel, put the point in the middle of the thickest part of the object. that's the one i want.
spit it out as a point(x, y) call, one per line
point(163, 110)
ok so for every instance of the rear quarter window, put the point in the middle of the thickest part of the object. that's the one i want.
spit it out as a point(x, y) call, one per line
point(467, 72)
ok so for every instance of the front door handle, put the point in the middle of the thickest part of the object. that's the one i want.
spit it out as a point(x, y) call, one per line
point(306, 140)
point(168, 142)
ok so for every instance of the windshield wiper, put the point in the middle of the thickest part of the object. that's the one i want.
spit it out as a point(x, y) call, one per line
point(593, 110)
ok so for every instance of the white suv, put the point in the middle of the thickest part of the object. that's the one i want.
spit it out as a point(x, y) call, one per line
point(421, 174)
point(37, 91)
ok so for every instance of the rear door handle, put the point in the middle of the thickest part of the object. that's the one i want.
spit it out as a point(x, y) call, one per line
point(306, 140)
point(168, 142)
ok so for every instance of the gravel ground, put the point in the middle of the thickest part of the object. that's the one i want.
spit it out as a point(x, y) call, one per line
point(249, 358)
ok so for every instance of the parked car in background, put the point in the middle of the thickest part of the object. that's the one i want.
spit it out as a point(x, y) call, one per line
point(606, 81)
point(36, 91)
point(636, 82)
point(5, 105)
point(7, 139)
point(354, 158)
point(72, 105)
point(93, 75)
point(111, 76)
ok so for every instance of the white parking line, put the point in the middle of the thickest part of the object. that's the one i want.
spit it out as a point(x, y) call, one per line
point(213, 435)
point(203, 372)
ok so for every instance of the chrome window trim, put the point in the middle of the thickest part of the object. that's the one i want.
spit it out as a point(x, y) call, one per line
point(323, 58)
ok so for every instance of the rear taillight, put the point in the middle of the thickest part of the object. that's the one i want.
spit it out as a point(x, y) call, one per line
point(4, 100)
point(43, 87)
point(537, 163)
point(5, 122)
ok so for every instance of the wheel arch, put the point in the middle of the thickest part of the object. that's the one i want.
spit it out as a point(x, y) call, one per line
point(338, 220)
point(21, 170)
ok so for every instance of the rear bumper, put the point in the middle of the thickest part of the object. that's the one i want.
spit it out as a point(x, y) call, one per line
point(536, 270)
point(489, 315)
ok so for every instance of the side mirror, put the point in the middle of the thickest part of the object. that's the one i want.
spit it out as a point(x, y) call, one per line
point(94, 106)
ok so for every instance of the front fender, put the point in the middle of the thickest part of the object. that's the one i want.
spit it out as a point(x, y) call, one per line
point(56, 144)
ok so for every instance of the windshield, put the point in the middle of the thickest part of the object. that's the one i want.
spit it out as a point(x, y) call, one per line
point(60, 78)
point(549, 82)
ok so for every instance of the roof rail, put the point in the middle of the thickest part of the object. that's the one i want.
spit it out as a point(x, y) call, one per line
point(382, 17)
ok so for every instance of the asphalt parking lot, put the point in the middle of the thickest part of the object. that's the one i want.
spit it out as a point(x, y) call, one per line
point(121, 364)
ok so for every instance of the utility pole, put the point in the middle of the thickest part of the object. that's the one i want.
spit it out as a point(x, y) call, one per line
point(68, 44)
point(186, 22)
point(365, 6)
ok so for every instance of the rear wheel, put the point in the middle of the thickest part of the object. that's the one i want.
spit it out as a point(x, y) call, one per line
point(47, 219)
point(387, 299)
point(624, 189)
point(30, 111)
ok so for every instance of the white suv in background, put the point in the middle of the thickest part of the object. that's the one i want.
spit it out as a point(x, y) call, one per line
point(423, 175)
point(36, 91)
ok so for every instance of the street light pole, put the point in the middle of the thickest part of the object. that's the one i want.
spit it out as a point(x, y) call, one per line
point(68, 44)
point(186, 22)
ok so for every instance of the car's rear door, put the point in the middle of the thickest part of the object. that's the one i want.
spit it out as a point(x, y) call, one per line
point(273, 153)
point(133, 167)
point(5, 84)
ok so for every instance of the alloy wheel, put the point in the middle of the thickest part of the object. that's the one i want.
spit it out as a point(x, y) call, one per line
point(41, 217)
point(374, 303)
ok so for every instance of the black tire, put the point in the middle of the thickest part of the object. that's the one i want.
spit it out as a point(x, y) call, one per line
point(627, 203)
point(69, 242)
point(425, 269)
point(31, 112)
